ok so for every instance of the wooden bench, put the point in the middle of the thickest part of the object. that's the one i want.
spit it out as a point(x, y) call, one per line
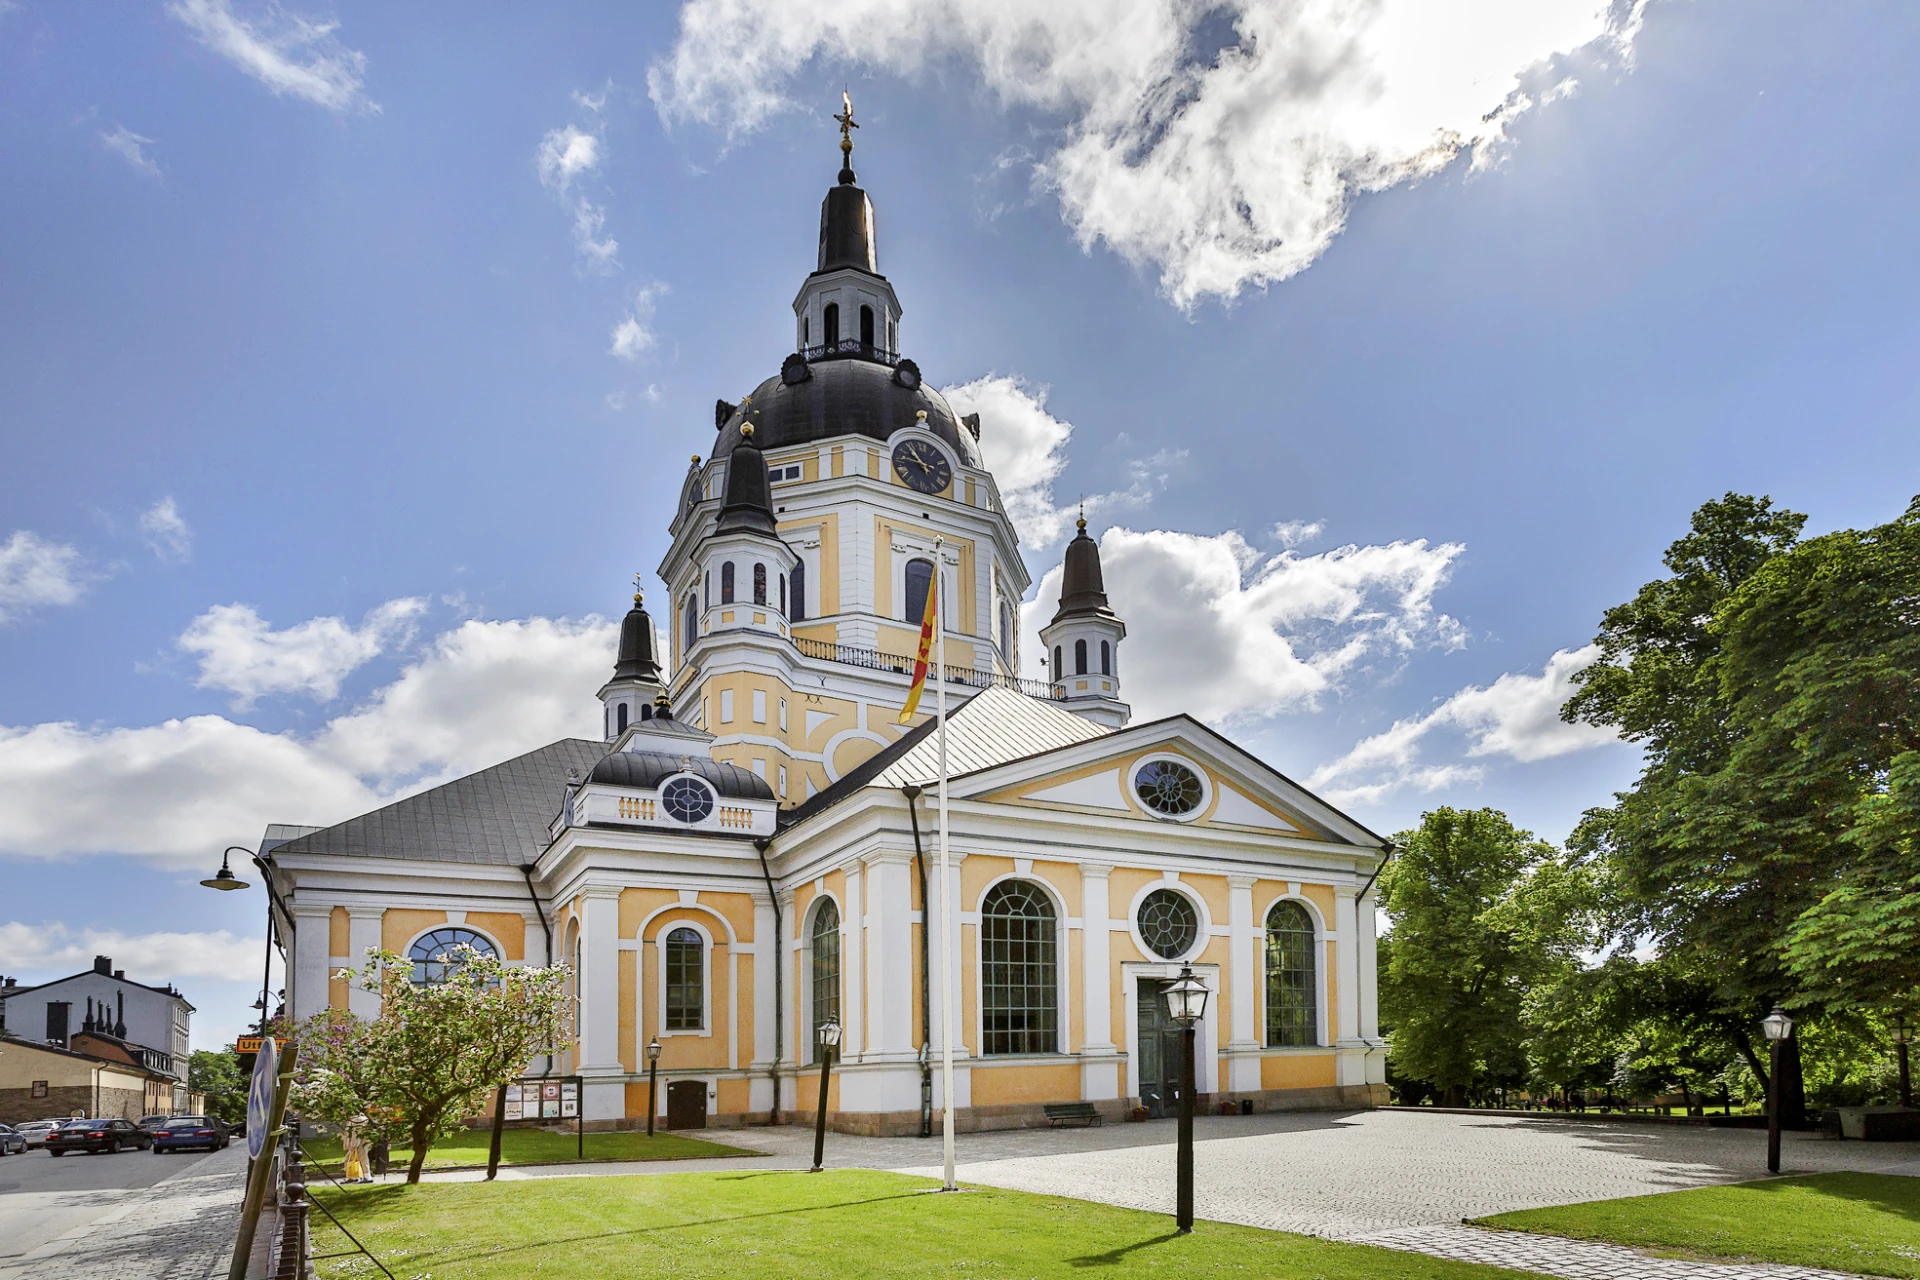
point(1082, 1113)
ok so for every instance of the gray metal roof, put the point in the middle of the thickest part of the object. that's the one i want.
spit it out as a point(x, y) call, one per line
point(995, 726)
point(496, 817)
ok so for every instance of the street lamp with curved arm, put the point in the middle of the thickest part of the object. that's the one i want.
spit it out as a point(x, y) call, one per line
point(226, 882)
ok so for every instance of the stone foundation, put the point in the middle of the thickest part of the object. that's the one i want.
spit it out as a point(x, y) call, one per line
point(1033, 1115)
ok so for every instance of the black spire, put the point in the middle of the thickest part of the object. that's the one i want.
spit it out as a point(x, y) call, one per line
point(749, 498)
point(636, 660)
point(846, 215)
point(1081, 588)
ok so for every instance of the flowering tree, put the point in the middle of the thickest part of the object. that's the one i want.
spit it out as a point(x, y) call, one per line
point(434, 1053)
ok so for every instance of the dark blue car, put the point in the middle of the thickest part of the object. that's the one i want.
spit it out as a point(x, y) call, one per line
point(184, 1133)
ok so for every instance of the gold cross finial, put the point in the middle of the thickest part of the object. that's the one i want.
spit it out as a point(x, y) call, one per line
point(636, 590)
point(847, 125)
point(1082, 522)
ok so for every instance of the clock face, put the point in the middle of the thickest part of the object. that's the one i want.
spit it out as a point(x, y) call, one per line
point(922, 466)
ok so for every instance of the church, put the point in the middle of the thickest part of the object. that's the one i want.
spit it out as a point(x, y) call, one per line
point(747, 854)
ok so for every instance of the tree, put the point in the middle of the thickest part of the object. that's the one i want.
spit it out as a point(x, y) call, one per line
point(1481, 913)
point(435, 1052)
point(217, 1074)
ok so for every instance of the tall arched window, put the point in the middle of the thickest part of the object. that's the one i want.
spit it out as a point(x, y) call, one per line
point(686, 981)
point(437, 954)
point(1006, 633)
point(824, 951)
point(797, 600)
point(919, 582)
point(1019, 985)
point(783, 594)
point(1291, 977)
point(1079, 657)
point(866, 326)
point(689, 626)
point(759, 584)
point(726, 583)
point(620, 718)
point(806, 330)
point(706, 587)
point(1059, 668)
point(1106, 658)
point(830, 324)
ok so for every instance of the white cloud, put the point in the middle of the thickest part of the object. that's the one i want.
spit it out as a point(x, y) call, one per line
point(131, 147)
point(1297, 533)
point(40, 952)
point(35, 573)
point(1223, 168)
point(633, 337)
point(291, 55)
point(179, 791)
point(240, 653)
point(1517, 716)
point(1229, 636)
point(167, 533)
point(565, 155)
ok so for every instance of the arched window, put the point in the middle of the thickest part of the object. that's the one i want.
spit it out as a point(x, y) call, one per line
point(726, 583)
point(1291, 979)
point(1019, 986)
point(1079, 657)
point(919, 582)
point(798, 599)
point(706, 588)
point(689, 626)
point(806, 330)
point(1106, 658)
point(437, 954)
point(830, 324)
point(783, 593)
point(866, 326)
point(686, 981)
point(1006, 633)
point(620, 718)
point(825, 961)
point(1059, 668)
point(759, 584)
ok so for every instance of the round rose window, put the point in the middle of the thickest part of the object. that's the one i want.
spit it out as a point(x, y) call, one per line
point(1169, 787)
point(1168, 923)
point(687, 799)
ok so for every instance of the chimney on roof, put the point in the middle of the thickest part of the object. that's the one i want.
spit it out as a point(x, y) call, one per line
point(103, 964)
point(119, 973)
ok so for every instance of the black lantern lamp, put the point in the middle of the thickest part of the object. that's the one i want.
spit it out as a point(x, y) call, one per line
point(1778, 1028)
point(653, 1081)
point(829, 1045)
point(1187, 1005)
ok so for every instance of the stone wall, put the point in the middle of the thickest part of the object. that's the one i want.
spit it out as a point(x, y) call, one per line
point(19, 1105)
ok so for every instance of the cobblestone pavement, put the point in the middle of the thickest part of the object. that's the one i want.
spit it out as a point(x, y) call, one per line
point(1574, 1259)
point(178, 1229)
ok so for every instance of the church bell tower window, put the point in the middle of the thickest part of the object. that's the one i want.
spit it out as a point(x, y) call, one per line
point(1079, 657)
point(620, 718)
point(799, 594)
point(919, 578)
point(726, 583)
point(830, 325)
point(759, 584)
point(866, 328)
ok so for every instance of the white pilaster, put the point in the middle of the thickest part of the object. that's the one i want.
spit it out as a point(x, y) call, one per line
point(1350, 1067)
point(1099, 1057)
point(853, 935)
point(890, 955)
point(311, 931)
point(1243, 952)
point(600, 1004)
point(363, 935)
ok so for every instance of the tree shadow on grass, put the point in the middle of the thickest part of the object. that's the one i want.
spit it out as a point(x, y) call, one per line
point(1114, 1257)
point(1890, 1193)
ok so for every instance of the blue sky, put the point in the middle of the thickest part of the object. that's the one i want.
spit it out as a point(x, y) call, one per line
point(336, 420)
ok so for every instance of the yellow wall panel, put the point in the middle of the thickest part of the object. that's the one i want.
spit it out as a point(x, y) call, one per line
point(338, 939)
point(399, 926)
point(733, 1096)
point(999, 1086)
point(1297, 1071)
point(509, 927)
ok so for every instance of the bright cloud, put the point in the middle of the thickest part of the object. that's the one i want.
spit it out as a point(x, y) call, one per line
point(166, 531)
point(1231, 636)
point(132, 148)
point(564, 156)
point(39, 952)
point(175, 791)
point(35, 573)
point(1517, 716)
point(1224, 168)
point(240, 653)
point(291, 55)
point(633, 337)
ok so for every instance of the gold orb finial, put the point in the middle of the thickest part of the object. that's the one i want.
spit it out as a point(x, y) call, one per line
point(920, 416)
point(746, 429)
point(694, 458)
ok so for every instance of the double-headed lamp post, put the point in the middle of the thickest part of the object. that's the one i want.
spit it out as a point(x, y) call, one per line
point(653, 1081)
point(1902, 1033)
point(829, 1042)
point(1187, 1003)
point(1779, 1029)
point(227, 882)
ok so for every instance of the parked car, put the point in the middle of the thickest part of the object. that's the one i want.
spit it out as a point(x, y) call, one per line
point(97, 1135)
point(36, 1132)
point(181, 1133)
point(151, 1125)
point(12, 1142)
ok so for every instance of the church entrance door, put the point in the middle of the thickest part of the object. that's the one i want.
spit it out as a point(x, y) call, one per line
point(1158, 1061)
point(687, 1104)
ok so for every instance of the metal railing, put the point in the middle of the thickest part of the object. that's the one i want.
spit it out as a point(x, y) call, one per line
point(900, 664)
point(850, 347)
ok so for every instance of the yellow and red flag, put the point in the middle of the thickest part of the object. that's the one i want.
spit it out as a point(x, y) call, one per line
point(928, 620)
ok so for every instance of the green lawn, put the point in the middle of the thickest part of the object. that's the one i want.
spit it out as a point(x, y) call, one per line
point(531, 1146)
point(1862, 1222)
point(849, 1223)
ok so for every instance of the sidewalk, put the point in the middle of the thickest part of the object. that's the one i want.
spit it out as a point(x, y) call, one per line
point(179, 1229)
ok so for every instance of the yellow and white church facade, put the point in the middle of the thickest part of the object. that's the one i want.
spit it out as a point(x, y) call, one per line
point(747, 852)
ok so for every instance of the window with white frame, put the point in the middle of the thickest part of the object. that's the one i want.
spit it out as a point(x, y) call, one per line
point(823, 956)
point(1292, 977)
point(1019, 970)
point(685, 960)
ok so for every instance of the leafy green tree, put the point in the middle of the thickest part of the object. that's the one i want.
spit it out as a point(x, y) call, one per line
point(217, 1074)
point(436, 1051)
point(1481, 912)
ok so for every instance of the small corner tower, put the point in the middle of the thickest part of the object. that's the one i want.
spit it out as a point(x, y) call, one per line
point(744, 565)
point(629, 695)
point(1083, 640)
point(846, 307)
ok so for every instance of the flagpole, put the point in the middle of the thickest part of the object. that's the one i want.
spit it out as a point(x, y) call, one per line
point(946, 883)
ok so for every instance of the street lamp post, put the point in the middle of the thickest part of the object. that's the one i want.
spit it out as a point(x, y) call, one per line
point(226, 881)
point(653, 1081)
point(829, 1041)
point(1778, 1028)
point(1902, 1033)
point(1187, 1003)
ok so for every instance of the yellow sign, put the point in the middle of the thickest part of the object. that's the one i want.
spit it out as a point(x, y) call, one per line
point(251, 1044)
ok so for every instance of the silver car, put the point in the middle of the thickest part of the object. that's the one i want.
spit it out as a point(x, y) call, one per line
point(11, 1143)
point(36, 1131)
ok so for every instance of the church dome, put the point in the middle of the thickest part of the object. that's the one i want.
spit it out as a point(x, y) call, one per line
point(635, 660)
point(841, 397)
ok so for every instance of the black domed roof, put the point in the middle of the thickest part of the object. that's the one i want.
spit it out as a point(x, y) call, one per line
point(841, 397)
point(635, 660)
point(1082, 590)
point(648, 769)
point(748, 507)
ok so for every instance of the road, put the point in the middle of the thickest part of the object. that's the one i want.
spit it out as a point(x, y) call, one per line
point(43, 1197)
